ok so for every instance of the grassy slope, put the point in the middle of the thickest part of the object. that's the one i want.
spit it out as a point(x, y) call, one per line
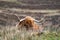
point(14, 34)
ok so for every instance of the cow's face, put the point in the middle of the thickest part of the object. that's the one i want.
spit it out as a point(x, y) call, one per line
point(29, 21)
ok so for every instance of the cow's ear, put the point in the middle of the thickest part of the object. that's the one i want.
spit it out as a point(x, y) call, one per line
point(20, 23)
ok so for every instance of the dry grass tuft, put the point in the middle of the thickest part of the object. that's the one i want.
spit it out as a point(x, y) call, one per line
point(12, 33)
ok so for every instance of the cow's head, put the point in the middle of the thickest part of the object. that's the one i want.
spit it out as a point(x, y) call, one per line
point(29, 23)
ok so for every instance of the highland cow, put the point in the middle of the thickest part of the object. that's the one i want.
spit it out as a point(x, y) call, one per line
point(29, 23)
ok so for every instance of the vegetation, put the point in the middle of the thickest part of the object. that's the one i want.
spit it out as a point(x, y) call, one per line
point(11, 33)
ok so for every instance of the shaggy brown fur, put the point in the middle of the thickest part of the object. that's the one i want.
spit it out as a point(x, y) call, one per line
point(28, 23)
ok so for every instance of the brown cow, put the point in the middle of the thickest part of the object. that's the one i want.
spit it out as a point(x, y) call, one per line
point(28, 23)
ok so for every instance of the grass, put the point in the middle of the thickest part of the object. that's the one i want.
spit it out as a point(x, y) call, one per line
point(13, 1)
point(11, 33)
point(9, 0)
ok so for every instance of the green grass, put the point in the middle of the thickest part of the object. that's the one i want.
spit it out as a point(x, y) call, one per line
point(14, 34)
